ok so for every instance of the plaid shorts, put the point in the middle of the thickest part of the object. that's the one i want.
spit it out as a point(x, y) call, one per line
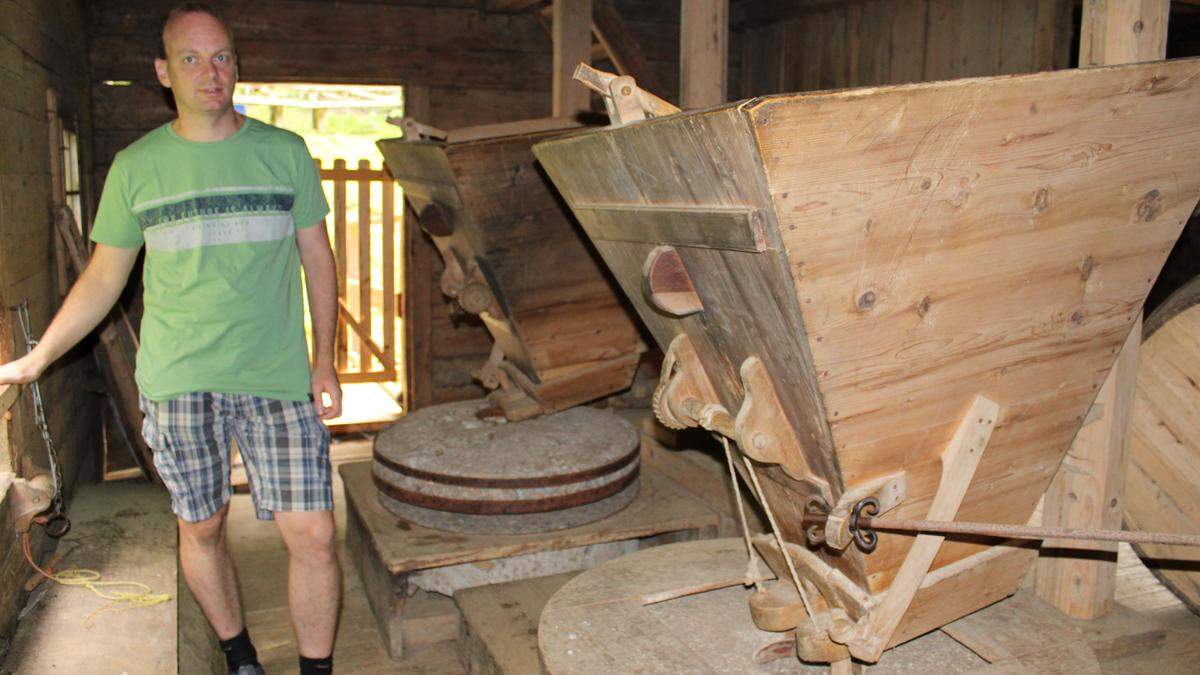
point(284, 446)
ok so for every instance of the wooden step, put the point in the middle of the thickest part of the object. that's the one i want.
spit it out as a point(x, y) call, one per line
point(499, 624)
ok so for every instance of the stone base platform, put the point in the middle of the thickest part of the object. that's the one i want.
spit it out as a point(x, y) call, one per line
point(397, 558)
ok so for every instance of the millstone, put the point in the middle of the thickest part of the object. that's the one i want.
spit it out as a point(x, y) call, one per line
point(445, 467)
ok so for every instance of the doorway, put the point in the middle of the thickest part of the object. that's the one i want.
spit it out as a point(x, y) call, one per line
point(340, 124)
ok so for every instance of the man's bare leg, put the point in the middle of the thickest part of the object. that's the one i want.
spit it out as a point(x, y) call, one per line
point(314, 580)
point(208, 569)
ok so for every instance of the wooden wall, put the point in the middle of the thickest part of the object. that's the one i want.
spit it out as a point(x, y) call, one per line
point(810, 44)
point(477, 67)
point(463, 62)
point(42, 44)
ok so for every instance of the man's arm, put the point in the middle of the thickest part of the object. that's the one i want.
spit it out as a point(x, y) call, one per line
point(86, 305)
point(320, 273)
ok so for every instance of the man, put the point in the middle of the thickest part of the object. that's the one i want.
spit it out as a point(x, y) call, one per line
point(229, 210)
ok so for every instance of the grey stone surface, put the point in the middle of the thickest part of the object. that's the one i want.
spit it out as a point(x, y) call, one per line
point(458, 441)
point(450, 439)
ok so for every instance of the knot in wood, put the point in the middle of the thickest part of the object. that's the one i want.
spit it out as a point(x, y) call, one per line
point(1041, 199)
point(1086, 267)
point(866, 301)
point(1149, 207)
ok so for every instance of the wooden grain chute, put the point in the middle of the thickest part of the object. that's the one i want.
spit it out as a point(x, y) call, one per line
point(870, 264)
point(515, 258)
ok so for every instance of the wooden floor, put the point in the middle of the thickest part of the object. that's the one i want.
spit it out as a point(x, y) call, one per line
point(261, 559)
point(257, 547)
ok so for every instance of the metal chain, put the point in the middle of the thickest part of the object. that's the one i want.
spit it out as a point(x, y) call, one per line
point(39, 415)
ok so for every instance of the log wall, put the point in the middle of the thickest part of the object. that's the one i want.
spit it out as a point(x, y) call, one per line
point(42, 44)
point(813, 44)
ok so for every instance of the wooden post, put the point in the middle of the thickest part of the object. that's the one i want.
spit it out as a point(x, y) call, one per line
point(342, 258)
point(572, 35)
point(703, 52)
point(417, 282)
point(1123, 31)
point(364, 264)
point(1079, 578)
point(1087, 491)
point(416, 103)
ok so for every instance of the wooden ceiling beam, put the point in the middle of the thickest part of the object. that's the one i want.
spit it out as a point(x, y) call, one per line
point(619, 46)
point(613, 42)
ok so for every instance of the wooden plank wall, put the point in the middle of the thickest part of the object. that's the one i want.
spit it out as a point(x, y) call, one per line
point(42, 44)
point(477, 67)
point(811, 45)
point(462, 65)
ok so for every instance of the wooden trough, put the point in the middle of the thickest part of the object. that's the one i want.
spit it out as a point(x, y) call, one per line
point(515, 258)
point(908, 292)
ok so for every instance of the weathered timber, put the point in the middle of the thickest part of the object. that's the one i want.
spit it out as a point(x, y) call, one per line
point(515, 257)
point(923, 245)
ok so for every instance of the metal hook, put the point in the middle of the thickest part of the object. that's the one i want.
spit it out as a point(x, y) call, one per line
point(864, 537)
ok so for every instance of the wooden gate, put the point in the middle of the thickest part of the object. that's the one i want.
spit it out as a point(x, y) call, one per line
point(364, 236)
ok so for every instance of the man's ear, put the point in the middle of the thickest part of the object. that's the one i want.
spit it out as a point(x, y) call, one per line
point(160, 69)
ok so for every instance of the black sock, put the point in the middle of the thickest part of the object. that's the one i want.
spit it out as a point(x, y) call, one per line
point(239, 651)
point(316, 666)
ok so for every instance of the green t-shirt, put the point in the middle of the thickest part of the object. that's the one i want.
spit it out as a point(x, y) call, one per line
point(223, 304)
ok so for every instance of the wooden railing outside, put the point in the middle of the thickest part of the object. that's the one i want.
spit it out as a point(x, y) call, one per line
point(363, 230)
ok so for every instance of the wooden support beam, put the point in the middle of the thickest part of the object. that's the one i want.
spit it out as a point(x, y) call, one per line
point(1079, 578)
point(703, 52)
point(1123, 31)
point(571, 31)
point(1087, 491)
point(619, 45)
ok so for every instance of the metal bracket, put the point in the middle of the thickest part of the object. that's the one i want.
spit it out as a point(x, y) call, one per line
point(416, 131)
point(763, 431)
point(875, 497)
point(623, 100)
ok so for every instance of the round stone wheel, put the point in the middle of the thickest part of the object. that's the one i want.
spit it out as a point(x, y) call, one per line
point(1162, 479)
point(597, 621)
point(454, 467)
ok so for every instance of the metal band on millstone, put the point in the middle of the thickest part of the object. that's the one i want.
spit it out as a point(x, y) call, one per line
point(444, 467)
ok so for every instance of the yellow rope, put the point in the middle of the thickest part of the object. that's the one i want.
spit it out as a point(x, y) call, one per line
point(118, 601)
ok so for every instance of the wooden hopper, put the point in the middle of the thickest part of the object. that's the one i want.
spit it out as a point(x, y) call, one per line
point(912, 292)
point(515, 257)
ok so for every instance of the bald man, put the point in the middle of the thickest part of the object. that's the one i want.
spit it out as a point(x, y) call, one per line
point(229, 210)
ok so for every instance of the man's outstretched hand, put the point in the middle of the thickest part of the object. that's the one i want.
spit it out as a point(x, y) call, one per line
point(325, 381)
point(21, 371)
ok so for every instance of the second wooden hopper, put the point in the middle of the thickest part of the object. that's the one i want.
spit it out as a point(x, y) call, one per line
point(515, 257)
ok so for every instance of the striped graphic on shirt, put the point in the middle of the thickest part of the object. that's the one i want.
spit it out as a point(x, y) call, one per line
point(216, 216)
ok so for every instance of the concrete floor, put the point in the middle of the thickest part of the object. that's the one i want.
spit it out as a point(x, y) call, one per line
point(127, 532)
